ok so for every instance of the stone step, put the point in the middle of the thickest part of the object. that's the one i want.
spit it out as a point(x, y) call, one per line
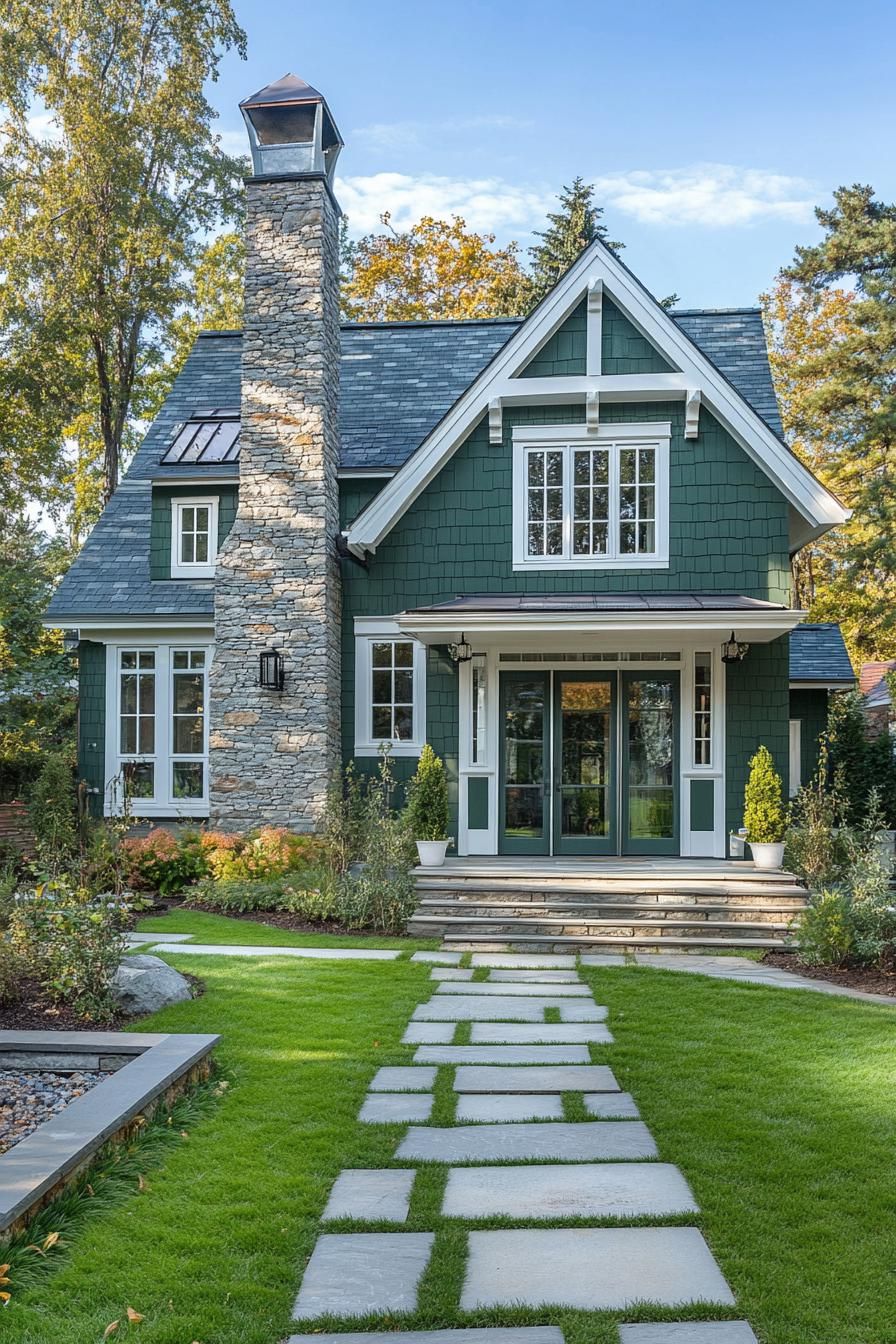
point(423, 922)
point(513, 941)
point(556, 882)
point(490, 930)
point(586, 908)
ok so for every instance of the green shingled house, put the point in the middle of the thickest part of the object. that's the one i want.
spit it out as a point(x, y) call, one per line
point(556, 548)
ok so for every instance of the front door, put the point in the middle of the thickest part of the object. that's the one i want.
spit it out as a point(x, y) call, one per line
point(589, 763)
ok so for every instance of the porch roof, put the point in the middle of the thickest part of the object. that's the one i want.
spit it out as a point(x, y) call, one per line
point(651, 613)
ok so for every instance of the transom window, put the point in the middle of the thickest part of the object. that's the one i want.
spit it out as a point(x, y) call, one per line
point(390, 691)
point(582, 506)
point(194, 538)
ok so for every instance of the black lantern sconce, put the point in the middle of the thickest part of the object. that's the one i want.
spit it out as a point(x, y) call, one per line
point(270, 670)
point(462, 652)
point(732, 652)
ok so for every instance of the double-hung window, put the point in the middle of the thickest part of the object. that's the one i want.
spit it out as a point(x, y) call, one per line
point(157, 729)
point(600, 502)
point(390, 690)
point(194, 538)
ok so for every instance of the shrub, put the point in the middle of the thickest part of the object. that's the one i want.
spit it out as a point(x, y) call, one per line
point(860, 762)
point(765, 816)
point(381, 895)
point(826, 929)
point(164, 862)
point(309, 901)
point(270, 852)
point(52, 814)
point(426, 815)
point(73, 946)
point(11, 972)
point(816, 848)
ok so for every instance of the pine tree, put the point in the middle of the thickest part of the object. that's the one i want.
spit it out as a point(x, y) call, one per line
point(571, 228)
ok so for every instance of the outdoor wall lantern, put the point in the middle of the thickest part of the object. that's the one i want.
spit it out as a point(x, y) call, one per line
point(462, 652)
point(270, 670)
point(732, 652)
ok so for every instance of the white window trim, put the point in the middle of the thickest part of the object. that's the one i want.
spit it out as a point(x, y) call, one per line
point(367, 633)
point(201, 569)
point(794, 756)
point(653, 434)
point(163, 804)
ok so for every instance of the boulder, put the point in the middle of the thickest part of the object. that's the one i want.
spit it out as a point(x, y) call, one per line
point(144, 984)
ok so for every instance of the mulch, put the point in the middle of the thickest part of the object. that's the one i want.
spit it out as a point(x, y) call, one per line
point(32, 1011)
point(870, 979)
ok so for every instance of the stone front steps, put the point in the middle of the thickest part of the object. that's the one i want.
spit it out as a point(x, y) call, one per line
point(476, 907)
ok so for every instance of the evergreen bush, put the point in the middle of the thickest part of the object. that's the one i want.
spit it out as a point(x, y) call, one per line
point(765, 816)
point(426, 814)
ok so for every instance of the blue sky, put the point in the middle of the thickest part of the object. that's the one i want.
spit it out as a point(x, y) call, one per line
point(710, 129)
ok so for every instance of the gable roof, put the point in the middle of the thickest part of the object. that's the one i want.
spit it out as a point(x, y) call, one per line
point(598, 270)
point(818, 653)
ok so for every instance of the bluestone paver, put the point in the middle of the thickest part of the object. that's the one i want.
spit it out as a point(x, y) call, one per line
point(575, 1010)
point(584, 1190)
point(438, 958)
point(689, 1332)
point(450, 973)
point(523, 977)
point(602, 958)
point(428, 1033)
point(354, 1273)
point(514, 989)
point(379, 1195)
point(535, 1033)
point(539, 1078)
point(508, 1107)
point(395, 1108)
point(523, 961)
point(526, 1334)
point(611, 1105)
point(592, 1268)
point(456, 1008)
point(403, 1079)
point(240, 950)
point(502, 1054)
point(556, 1141)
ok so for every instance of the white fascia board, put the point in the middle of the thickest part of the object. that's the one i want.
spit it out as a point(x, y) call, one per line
point(111, 627)
point(609, 387)
point(841, 685)
point(816, 504)
point(759, 626)
point(614, 431)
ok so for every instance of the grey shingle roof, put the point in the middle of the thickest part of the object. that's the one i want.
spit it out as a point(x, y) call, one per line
point(818, 653)
point(397, 380)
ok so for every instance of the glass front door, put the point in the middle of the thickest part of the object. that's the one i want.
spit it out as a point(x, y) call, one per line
point(589, 763)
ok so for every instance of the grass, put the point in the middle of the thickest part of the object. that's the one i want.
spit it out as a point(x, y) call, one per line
point(777, 1106)
point(210, 928)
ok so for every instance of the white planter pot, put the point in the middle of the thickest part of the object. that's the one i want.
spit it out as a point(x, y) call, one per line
point(432, 852)
point(767, 856)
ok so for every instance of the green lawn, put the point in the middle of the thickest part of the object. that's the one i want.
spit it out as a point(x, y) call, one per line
point(778, 1106)
point(209, 928)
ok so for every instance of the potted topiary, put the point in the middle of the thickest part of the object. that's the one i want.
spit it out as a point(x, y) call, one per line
point(765, 815)
point(427, 809)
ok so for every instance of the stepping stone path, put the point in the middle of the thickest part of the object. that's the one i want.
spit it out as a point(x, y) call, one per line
point(518, 1150)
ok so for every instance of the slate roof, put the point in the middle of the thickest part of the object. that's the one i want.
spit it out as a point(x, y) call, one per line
point(818, 653)
point(397, 380)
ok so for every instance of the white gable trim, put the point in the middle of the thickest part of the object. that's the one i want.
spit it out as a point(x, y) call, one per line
point(500, 380)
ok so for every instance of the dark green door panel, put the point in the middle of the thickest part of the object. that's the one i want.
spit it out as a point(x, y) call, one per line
point(649, 781)
point(524, 785)
point(584, 764)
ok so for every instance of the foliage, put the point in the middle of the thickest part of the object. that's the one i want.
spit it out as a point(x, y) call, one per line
point(72, 945)
point(436, 268)
point(343, 821)
point(12, 970)
point(765, 816)
point(861, 763)
point(268, 852)
point(9, 882)
point(815, 848)
point(313, 899)
point(426, 814)
point(52, 814)
point(571, 228)
point(834, 358)
point(106, 197)
point(163, 862)
point(826, 929)
point(378, 891)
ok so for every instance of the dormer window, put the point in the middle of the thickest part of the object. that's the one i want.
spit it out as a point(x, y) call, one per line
point(599, 501)
point(194, 537)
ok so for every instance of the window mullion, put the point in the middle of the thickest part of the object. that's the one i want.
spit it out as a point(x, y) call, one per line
point(567, 502)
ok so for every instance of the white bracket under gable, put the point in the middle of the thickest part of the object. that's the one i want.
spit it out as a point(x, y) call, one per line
point(495, 421)
point(692, 414)
point(592, 411)
point(594, 325)
point(595, 272)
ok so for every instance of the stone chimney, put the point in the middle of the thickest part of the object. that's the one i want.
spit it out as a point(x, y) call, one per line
point(277, 583)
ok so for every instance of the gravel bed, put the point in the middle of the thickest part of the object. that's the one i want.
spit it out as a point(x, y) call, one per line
point(28, 1097)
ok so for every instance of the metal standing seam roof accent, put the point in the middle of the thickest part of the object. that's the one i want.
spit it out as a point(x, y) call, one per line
point(621, 602)
point(397, 381)
point(818, 653)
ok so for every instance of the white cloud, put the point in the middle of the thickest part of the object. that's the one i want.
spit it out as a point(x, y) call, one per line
point(487, 204)
point(713, 195)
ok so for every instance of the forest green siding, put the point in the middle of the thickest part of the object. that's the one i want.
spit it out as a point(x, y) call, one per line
point(623, 348)
point(757, 713)
point(354, 496)
point(92, 719)
point(160, 522)
point(811, 708)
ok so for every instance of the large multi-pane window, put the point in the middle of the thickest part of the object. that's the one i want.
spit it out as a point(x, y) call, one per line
point(157, 752)
point(581, 506)
point(390, 693)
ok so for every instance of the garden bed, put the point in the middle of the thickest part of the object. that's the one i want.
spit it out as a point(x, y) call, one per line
point(283, 919)
point(870, 979)
point(32, 1010)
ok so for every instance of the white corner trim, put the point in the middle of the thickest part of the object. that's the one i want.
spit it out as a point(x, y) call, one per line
point(192, 570)
point(692, 414)
point(813, 501)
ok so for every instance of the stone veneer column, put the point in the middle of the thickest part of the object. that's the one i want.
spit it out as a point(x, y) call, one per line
point(277, 583)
